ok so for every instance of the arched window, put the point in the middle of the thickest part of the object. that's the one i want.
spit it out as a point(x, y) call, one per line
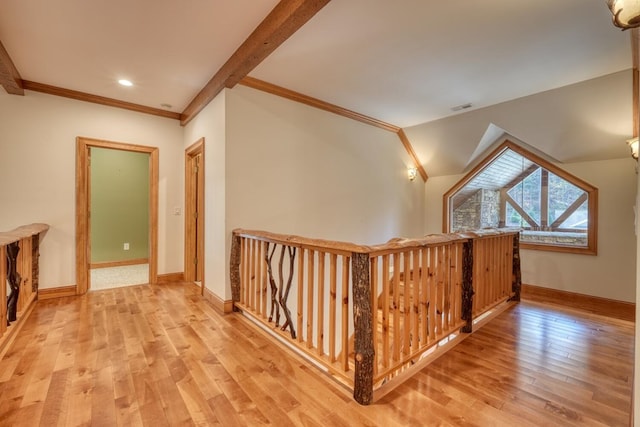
point(513, 187)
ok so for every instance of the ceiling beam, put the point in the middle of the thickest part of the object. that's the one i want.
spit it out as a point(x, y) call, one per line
point(335, 109)
point(284, 20)
point(9, 77)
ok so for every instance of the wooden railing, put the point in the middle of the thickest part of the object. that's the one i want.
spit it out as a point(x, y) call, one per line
point(19, 276)
point(368, 313)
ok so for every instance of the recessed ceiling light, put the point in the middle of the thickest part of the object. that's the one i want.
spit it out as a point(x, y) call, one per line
point(125, 82)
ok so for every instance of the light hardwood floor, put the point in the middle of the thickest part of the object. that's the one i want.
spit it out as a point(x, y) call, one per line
point(161, 355)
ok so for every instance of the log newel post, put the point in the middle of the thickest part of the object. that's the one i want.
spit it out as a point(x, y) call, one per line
point(234, 269)
point(516, 283)
point(35, 265)
point(467, 286)
point(363, 325)
point(14, 279)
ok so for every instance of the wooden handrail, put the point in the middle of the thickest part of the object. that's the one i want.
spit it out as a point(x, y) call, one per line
point(21, 232)
point(368, 313)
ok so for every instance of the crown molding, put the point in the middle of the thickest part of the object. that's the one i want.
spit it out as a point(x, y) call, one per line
point(335, 109)
point(96, 99)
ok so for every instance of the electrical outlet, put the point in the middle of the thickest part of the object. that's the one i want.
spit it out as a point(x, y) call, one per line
point(126, 247)
point(177, 211)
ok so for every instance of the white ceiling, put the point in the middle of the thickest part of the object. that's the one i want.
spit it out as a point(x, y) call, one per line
point(406, 62)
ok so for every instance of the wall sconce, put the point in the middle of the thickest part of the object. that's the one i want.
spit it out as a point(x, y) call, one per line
point(626, 13)
point(633, 145)
point(412, 172)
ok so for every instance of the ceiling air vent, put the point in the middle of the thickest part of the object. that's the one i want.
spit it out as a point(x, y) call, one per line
point(462, 107)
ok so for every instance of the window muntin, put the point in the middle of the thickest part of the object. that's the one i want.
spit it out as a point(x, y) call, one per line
point(515, 188)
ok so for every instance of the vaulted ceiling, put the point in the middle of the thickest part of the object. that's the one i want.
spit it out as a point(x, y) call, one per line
point(406, 62)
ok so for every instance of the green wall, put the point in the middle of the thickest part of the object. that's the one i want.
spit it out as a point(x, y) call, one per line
point(119, 205)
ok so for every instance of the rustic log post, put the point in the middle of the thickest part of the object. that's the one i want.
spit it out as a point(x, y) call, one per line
point(363, 325)
point(467, 286)
point(516, 283)
point(234, 269)
point(35, 266)
point(14, 279)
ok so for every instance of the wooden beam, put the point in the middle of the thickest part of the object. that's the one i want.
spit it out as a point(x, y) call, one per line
point(9, 77)
point(335, 109)
point(96, 99)
point(284, 20)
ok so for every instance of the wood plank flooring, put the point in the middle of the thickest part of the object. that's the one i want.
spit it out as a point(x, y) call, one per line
point(161, 355)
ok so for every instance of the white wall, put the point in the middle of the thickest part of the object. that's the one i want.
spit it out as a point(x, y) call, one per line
point(294, 169)
point(610, 274)
point(37, 168)
point(210, 124)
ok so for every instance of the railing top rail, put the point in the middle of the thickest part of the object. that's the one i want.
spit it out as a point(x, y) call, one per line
point(21, 232)
point(393, 245)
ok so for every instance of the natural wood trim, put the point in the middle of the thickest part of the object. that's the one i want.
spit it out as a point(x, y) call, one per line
point(82, 206)
point(592, 238)
point(222, 306)
point(22, 232)
point(9, 76)
point(316, 103)
point(50, 293)
point(96, 99)
point(596, 305)
point(191, 270)
point(170, 277)
point(284, 20)
point(335, 109)
point(407, 146)
point(122, 263)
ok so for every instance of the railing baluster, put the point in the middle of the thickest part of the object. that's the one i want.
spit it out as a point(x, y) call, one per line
point(406, 304)
point(415, 298)
point(345, 313)
point(395, 308)
point(300, 314)
point(374, 308)
point(332, 306)
point(424, 295)
point(385, 310)
point(263, 279)
point(320, 327)
point(433, 297)
point(310, 290)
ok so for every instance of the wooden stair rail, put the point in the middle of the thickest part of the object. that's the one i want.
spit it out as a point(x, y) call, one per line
point(369, 314)
point(19, 268)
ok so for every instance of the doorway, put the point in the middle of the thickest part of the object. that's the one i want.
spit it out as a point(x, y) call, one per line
point(194, 213)
point(83, 206)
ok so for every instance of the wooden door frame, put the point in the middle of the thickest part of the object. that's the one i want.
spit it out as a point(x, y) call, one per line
point(189, 232)
point(82, 206)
